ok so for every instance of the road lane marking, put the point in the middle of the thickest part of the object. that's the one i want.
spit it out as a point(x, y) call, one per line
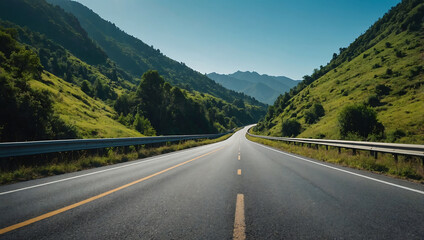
point(88, 174)
point(239, 232)
point(238, 157)
point(64, 209)
point(345, 171)
point(239, 172)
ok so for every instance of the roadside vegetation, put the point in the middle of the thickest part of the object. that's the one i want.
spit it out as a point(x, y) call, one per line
point(43, 165)
point(409, 168)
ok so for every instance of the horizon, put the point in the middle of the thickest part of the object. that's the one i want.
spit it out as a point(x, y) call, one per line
point(212, 37)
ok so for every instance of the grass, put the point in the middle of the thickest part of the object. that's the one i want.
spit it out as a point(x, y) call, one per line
point(71, 162)
point(91, 117)
point(406, 167)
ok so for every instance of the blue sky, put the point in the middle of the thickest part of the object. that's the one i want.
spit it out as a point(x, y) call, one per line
point(274, 37)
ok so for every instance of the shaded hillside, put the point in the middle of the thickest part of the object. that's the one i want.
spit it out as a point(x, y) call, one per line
point(136, 57)
point(382, 69)
point(264, 88)
point(56, 24)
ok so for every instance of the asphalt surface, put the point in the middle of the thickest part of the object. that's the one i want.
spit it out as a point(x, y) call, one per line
point(208, 193)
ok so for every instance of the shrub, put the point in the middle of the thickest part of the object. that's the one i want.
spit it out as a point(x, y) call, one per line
point(359, 119)
point(382, 90)
point(373, 101)
point(376, 66)
point(290, 128)
point(396, 135)
point(314, 113)
point(310, 117)
point(318, 109)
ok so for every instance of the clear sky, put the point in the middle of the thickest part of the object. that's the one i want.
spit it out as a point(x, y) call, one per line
point(274, 37)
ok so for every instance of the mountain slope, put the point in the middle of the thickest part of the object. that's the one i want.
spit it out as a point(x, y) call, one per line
point(383, 68)
point(262, 92)
point(276, 82)
point(55, 24)
point(262, 87)
point(37, 105)
point(91, 117)
point(229, 82)
point(120, 108)
point(136, 57)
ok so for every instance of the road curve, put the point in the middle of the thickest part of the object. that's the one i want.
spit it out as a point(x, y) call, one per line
point(231, 189)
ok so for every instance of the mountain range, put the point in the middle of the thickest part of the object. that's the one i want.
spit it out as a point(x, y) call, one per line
point(263, 87)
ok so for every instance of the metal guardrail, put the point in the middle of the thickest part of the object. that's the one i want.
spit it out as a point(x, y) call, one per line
point(13, 149)
point(374, 147)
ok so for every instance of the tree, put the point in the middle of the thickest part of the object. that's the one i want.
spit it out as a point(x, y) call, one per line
point(239, 103)
point(314, 113)
point(310, 117)
point(359, 120)
point(143, 125)
point(150, 95)
point(85, 87)
point(123, 104)
point(290, 128)
point(26, 61)
point(318, 109)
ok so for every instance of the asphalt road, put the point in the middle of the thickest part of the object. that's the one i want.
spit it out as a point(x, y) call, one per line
point(234, 188)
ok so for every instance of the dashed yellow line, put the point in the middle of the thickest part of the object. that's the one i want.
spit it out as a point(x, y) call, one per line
point(239, 232)
point(239, 172)
point(64, 209)
point(238, 157)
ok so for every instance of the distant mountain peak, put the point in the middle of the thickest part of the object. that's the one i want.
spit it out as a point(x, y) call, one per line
point(263, 87)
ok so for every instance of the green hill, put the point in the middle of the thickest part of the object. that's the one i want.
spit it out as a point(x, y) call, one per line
point(86, 99)
point(382, 69)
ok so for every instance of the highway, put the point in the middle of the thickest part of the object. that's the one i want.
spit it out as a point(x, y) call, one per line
point(233, 189)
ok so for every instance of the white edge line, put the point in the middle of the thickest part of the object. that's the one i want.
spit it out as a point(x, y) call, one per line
point(88, 174)
point(345, 171)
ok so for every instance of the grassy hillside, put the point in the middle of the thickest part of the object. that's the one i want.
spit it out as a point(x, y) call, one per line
point(91, 117)
point(383, 68)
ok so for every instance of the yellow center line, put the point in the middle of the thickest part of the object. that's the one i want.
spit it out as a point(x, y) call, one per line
point(239, 232)
point(64, 209)
point(238, 157)
point(239, 172)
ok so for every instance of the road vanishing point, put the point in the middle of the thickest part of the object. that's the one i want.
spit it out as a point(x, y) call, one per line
point(234, 189)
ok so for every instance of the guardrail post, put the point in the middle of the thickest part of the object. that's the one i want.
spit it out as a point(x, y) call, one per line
point(340, 150)
point(375, 154)
point(354, 151)
point(326, 147)
point(396, 157)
